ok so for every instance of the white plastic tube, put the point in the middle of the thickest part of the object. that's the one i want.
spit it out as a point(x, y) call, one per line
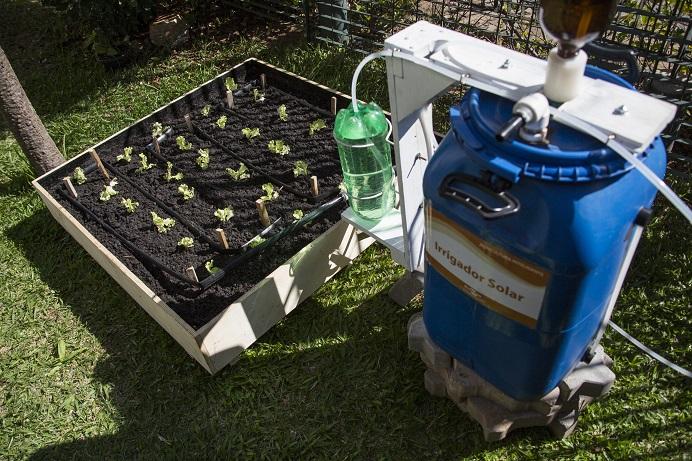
point(356, 74)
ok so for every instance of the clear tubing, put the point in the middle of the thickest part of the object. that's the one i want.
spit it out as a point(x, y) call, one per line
point(623, 152)
point(363, 63)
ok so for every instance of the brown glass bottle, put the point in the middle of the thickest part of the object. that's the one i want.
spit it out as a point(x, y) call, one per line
point(574, 23)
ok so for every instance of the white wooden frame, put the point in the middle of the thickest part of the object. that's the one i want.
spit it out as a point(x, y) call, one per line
point(221, 340)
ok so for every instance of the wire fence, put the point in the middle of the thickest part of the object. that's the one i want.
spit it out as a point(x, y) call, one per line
point(659, 31)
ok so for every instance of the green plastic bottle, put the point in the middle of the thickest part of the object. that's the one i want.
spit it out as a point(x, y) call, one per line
point(366, 159)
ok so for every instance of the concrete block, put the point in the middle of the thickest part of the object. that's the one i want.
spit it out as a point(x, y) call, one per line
point(406, 288)
point(496, 412)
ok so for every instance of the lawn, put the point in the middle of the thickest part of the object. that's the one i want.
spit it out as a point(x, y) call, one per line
point(335, 378)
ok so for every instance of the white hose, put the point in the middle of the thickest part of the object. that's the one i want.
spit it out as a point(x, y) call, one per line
point(363, 63)
point(623, 152)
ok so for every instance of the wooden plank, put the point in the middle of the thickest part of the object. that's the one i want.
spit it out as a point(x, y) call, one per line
point(143, 295)
point(238, 326)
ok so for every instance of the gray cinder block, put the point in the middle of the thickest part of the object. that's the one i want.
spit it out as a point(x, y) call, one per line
point(496, 412)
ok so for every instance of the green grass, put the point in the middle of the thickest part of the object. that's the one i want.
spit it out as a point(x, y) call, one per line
point(334, 379)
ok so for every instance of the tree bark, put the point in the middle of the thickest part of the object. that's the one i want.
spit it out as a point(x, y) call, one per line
point(24, 123)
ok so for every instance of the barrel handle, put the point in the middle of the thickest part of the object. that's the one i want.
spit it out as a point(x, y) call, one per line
point(447, 189)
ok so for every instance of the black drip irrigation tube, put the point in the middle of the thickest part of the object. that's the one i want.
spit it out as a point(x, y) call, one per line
point(232, 264)
point(327, 195)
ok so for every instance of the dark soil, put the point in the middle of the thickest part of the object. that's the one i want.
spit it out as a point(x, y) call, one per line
point(214, 188)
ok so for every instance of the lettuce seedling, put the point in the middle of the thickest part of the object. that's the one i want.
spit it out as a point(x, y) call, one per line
point(144, 164)
point(183, 144)
point(239, 174)
point(109, 190)
point(163, 225)
point(298, 215)
point(206, 110)
point(224, 214)
point(126, 155)
point(79, 176)
point(277, 146)
point(257, 241)
point(210, 267)
point(186, 242)
point(283, 115)
point(230, 84)
point(169, 176)
point(257, 96)
point(316, 126)
point(250, 133)
point(269, 192)
point(221, 122)
point(203, 160)
point(156, 129)
point(187, 191)
point(129, 204)
point(300, 168)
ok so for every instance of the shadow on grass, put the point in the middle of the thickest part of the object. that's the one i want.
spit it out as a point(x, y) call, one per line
point(334, 378)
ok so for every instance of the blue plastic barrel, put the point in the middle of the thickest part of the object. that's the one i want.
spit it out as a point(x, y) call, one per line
point(524, 243)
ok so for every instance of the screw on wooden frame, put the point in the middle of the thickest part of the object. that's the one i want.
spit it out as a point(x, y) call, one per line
point(222, 238)
point(262, 211)
point(69, 186)
point(99, 163)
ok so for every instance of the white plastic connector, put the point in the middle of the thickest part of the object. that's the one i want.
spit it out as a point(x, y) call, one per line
point(564, 76)
point(535, 110)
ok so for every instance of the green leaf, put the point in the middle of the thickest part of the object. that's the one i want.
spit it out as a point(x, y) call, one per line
point(62, 350)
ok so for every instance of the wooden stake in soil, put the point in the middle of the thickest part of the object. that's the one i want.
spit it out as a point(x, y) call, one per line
point(314, 187)
point(263, 214)
point(192, 275)
point(222, 238)
point(188, 123)
point(69, 186)
point(229, 99)
point(263, 79)
point(99, 164)
point(333, 105)
point(155, 142)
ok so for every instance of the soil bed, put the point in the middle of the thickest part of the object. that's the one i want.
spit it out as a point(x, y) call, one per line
point(214, 189)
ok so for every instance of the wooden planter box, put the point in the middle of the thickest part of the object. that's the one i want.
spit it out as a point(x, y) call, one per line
point(221, 340)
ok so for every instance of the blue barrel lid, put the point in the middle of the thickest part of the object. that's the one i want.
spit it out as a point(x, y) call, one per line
point(570, 156)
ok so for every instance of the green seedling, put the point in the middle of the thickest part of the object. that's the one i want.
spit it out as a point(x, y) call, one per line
point(269, 192)
point(298, 215)
point(257, 241)
point(169, 176)
point(203, 160)
point(224, 214)
point(79, 176)
point(183, 144)
point(239, 174)
point(221, 122)
point(300, 168)
point(129, 204)
point(163, 225)
point(206, 110)
point(317, 125)
point(250, 133)
point(283, 115)
point(187, 191)
point(144, 164)
point(210, 267)
point(231, 84)
point(126, 155)
point(156, 129)
point(257, 95)
point(277, 146)
point(186, 242)
point(342, 188)
point(109, 190)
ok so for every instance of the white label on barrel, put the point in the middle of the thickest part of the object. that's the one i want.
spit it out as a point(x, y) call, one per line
point(489, 274)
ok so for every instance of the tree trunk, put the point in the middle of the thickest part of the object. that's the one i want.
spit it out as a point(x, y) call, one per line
point(24, 123)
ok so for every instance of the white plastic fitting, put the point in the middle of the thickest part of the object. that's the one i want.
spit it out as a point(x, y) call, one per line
point(535, 110)
point(564, 76)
